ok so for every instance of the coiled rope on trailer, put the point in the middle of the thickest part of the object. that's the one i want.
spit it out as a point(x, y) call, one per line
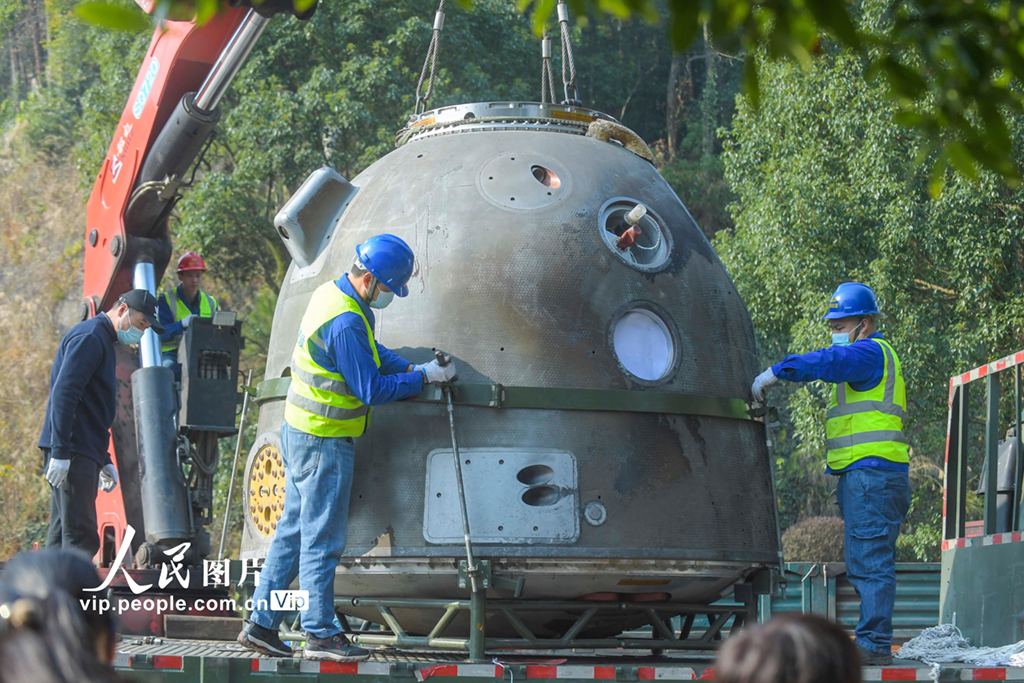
point(945, 644)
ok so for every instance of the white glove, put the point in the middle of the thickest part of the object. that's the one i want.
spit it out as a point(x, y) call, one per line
point(436, 374)
point(108, 478)
point(763, 381)
point(186, 320)
point(57, 472)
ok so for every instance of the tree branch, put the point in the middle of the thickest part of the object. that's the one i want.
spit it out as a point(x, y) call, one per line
point(928, 285)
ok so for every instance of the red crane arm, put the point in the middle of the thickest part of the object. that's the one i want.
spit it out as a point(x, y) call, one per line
point(178, 60)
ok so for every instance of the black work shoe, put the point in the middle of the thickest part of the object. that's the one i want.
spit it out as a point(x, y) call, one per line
point(336, 648)
point(872, 658)
point(263, 640)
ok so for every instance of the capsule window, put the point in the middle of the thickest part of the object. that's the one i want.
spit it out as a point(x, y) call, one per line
point(643, 344)
point(635, 235)
point(545, 176)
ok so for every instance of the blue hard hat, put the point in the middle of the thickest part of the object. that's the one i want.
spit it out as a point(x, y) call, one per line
point(389, 259)
point(852, 298)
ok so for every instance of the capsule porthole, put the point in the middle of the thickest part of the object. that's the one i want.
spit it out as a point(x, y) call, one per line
point(647, 247)
point(643, 344)
point(545, 176)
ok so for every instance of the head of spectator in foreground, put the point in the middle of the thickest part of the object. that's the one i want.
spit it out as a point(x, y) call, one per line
point(45, 633)
point(794, 648)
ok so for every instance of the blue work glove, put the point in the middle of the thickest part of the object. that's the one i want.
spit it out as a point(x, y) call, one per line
point(57, 472)
point(108, 478)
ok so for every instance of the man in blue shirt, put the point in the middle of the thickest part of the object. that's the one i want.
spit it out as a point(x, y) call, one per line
point(79, 413)
point(867, 451)
point(339, 371)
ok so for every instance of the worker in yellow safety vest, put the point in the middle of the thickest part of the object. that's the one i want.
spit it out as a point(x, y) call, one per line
point(867, 451)
point(180, 305)
point(339, 370)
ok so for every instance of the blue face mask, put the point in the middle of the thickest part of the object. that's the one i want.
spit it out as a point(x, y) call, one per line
point(383, 300)
point(843, 338)
point(131, 336)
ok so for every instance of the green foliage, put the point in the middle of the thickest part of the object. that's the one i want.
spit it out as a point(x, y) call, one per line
point(828, 191)
point(333, 91)
point(919, 545)
point(700, 183)
point(49, 124)
point(951, 70)
point(112, 16)
point(815, 539)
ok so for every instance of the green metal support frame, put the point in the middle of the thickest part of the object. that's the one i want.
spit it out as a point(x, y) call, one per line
point(549, 398)
point(659, 617)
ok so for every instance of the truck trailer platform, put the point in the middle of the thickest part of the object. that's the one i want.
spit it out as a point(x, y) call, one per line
point(170, 661)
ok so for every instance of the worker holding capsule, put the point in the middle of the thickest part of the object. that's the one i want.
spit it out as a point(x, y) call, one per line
point(339, 371)
point(867, 451)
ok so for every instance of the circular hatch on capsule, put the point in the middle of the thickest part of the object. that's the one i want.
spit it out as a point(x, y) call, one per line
point(523, 181)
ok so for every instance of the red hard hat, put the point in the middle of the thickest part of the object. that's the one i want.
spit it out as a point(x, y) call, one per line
point(191, 261)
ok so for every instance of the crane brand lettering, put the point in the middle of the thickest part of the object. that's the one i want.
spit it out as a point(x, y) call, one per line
point(147, 85)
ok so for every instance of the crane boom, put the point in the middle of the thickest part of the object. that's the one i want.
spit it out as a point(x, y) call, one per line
point(168, 118)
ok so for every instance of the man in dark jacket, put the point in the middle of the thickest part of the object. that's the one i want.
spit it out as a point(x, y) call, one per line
point(79, 413)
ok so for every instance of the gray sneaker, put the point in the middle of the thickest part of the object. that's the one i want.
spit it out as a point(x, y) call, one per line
point(263, 640)
point(336, 648)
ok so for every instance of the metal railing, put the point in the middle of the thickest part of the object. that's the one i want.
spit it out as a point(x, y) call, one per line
point(957, 440)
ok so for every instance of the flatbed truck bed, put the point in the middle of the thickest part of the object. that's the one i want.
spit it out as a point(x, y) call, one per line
point(170, 661)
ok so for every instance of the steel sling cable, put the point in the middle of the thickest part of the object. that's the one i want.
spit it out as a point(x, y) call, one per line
point(547, 77)
point(568, 64)
point(430, 62)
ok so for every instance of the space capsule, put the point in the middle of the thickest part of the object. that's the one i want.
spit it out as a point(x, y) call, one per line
point(604, 360)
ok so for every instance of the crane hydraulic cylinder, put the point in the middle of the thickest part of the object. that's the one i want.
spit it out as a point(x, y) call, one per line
point(165, 503)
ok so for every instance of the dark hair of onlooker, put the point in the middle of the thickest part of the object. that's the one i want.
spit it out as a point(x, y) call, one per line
point(45, 634)
point(797, 648)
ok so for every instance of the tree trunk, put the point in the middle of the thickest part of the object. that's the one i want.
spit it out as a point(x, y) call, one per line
point(46, 18)
point(709, 97)
point(36, 38)
point(14, 76)
point(672, 106)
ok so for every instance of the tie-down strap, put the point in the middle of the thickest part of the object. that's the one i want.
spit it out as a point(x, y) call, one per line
point(615, 400)
point(547, 398)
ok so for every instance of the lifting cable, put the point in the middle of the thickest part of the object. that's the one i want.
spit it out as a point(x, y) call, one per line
point(572, 96)
point(547, 78)
point(430, 61)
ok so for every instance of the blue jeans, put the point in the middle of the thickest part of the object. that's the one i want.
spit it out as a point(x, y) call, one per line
point(873, 503)
point(312, 531)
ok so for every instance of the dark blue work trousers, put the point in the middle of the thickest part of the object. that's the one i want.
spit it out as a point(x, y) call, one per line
point(873, 503)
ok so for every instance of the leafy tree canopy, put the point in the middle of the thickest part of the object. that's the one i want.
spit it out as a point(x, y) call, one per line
point(828, 191)
point(950, 67)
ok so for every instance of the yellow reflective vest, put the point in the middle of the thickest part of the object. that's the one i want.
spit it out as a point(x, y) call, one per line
point(319, 401)
point(207, 305)
point(865, 424)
